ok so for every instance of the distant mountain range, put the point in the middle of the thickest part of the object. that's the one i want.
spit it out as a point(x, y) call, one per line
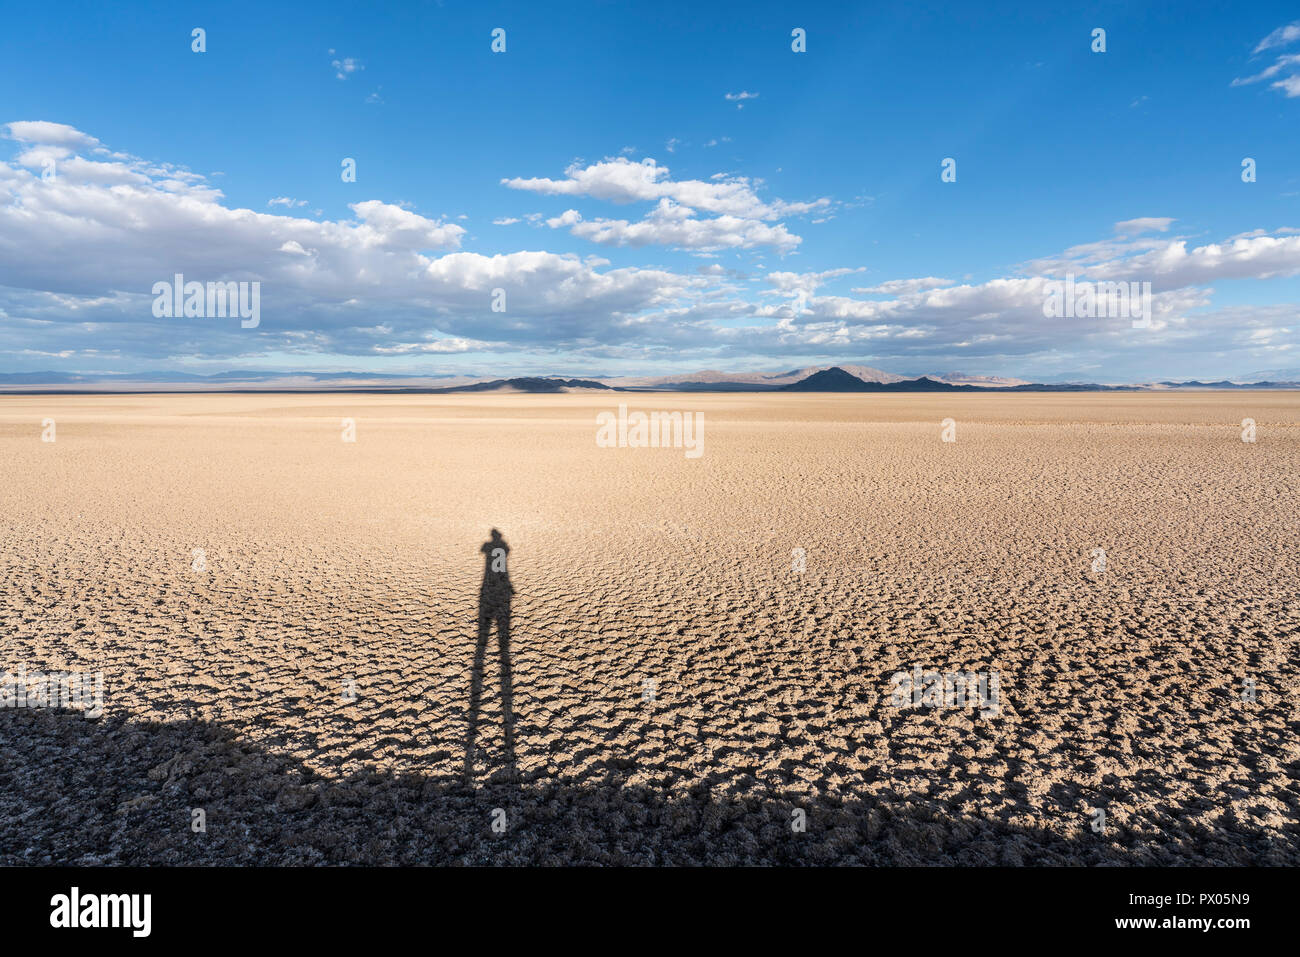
point(845, 378)
point(713, 381)
point(836, 379)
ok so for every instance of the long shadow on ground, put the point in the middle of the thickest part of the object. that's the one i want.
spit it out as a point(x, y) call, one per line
point(119, 791)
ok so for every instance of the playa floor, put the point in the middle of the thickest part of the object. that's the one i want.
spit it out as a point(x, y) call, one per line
point(680, 660)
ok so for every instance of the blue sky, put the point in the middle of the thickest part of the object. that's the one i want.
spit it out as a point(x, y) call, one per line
point(794, 213)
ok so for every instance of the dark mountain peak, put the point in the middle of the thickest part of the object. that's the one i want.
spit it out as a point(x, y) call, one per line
point(833, 379)
point(530, 384)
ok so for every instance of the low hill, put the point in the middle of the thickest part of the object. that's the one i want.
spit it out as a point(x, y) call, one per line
point(836, 379)
point(529, 384)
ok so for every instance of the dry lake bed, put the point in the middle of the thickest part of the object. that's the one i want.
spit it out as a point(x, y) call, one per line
point(278, 628)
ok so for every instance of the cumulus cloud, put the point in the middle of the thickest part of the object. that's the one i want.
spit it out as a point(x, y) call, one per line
point(1171, 263)
point(741, 218)
point(790, 283)
point(79, 257)
point(670, 224)
point(620, 180)
point(1002, 319)
point(50, 134)
point(567, 218)
point(899, 287)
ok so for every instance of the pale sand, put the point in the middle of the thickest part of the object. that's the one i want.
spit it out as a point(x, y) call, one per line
point(326, 561)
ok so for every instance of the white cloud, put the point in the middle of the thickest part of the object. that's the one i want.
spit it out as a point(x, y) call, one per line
point(1170, 263)
point(1279, 37)
point(742, 215)
point(670, 224)
point(447, 344)
point(1286, 84)
point(346, 66)
point(1144, 224)
point(1288, 64)
point(901, 287)
point(82, 256)
point(567, 218)
point(1290, 86)
point(784, 283)
point(50, 134)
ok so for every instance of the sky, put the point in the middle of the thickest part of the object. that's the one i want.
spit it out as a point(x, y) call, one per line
point(653, 188)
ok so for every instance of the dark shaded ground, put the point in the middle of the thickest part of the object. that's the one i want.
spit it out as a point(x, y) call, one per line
point(115, 791)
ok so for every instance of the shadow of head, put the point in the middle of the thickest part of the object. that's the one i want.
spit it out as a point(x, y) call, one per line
point(496, 554)
point(120, 791)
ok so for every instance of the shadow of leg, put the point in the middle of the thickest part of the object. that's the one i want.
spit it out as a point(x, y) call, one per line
point(476, 690)
point(507, 685)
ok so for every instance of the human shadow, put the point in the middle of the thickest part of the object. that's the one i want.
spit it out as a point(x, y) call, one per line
point(494, 598)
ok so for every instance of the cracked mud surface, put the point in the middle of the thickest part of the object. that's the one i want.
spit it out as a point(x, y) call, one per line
point(678, 690)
